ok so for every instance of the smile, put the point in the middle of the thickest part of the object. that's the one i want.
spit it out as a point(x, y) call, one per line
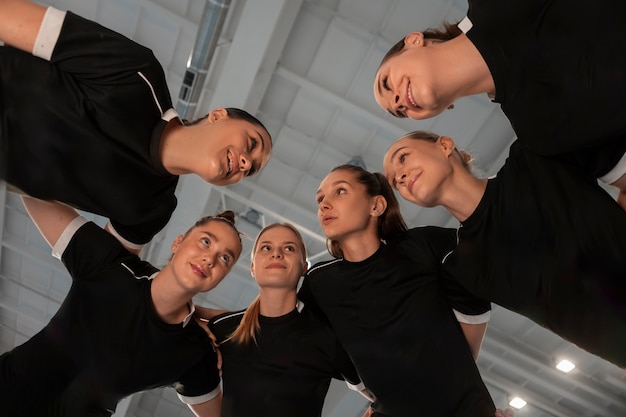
point(199, 271)
point(409, 95)
point(229, 157)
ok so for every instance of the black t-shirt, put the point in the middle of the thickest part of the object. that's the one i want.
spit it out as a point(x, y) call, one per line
point(287, 372)
point(559, 68)
point(84, 127)
point(391, 314)
point(106, 341)
point(549, 243)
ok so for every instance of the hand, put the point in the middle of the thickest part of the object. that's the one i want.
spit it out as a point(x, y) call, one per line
point(508, 412)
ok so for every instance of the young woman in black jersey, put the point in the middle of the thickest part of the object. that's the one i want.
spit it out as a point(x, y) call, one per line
point(278, 355)
point(539, 238)
point(87, 119)
point(124, 326)
point(548, 73)
point(385, 300)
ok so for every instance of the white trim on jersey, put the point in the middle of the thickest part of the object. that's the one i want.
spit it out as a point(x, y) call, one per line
point(617, 172)
point(49, 33)
point(472, 319)
point(125, 242)
point(200, 399)
point(64, 240)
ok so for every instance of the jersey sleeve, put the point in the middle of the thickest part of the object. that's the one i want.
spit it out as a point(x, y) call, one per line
point(441, 242)
point(200, 383)
point(137, 235)
point(86, 249)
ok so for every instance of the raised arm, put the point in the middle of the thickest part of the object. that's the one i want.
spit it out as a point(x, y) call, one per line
point(19, 23)
point(51, 218)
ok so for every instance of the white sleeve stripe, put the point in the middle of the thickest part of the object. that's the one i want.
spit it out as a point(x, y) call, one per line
point(358, 387)
point(202, 398)
point(123, 241)
point(48, 33)
point(472, 319)
point(616, 172)
point(66, 236)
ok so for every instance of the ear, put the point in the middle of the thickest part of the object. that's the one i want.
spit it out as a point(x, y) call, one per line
point(379, 206)
point(217, 114)
point(305, 267)
point(252, 270)
point(447, 144)
point(414, 39)
point(176, 243)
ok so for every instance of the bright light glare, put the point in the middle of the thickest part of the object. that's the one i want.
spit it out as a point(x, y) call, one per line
point(565, 366)
point(517, 402)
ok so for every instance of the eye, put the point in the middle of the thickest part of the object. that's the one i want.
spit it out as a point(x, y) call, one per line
point(402, 157)
point(385, 84)
point(253, 143)
point(265, 248)
point(290, 248)
point(226, 259)
point(340, 191)
point(319, 199)
point(205, 241)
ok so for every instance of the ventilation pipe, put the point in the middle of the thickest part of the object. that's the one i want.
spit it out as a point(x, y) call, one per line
point(209, 30)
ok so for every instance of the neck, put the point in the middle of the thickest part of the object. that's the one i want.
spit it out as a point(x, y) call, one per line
point(276, 302)
point(360, 246)
point(178, 149)
point(463, 194)
point(462, 68)
point(170, 302)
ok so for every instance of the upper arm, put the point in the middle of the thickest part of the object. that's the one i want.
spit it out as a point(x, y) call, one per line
point(20, 21)
point(211, 408)
point(474, 334)
point(50, 217)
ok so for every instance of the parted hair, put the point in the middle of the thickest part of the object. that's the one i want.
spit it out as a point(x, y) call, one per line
point(464, 156)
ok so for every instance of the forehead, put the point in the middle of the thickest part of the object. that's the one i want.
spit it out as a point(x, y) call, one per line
point(337, 177)
point(222, 231)
point(279, 233)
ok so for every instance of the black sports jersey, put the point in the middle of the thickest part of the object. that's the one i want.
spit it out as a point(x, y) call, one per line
point(287, 372)
point(84, 125)
point(391, 315)
point(106, 341)
point(550, 244)
point(559, 68)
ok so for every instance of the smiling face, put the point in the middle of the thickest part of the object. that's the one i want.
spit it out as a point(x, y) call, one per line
point(419, 168)
point(278, 258)
point(235, 149)
point(203, 257)
point(404, 85)
point(345, 209)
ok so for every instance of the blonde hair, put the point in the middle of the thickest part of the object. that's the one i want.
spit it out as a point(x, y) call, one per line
point(249, 327)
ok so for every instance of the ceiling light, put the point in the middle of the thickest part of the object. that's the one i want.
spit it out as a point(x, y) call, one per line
point(517, 402)
point(565, 366)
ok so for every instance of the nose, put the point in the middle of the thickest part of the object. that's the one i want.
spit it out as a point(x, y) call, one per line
point(244, 162)
point(277, 253)
point(209, 260)
point(323, 204)
point(400, 177)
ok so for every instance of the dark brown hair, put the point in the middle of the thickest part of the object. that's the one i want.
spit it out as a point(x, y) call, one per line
point(390, 223)
point(234, 113)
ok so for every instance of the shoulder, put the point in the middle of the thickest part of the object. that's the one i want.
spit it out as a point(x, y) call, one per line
point(224, 324)
point(323, 266)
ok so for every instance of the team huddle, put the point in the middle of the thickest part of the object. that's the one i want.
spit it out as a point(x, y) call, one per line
point(397, 310)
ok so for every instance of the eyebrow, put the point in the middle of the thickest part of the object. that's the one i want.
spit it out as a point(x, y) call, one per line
point(334, 184)
point(214, 237)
